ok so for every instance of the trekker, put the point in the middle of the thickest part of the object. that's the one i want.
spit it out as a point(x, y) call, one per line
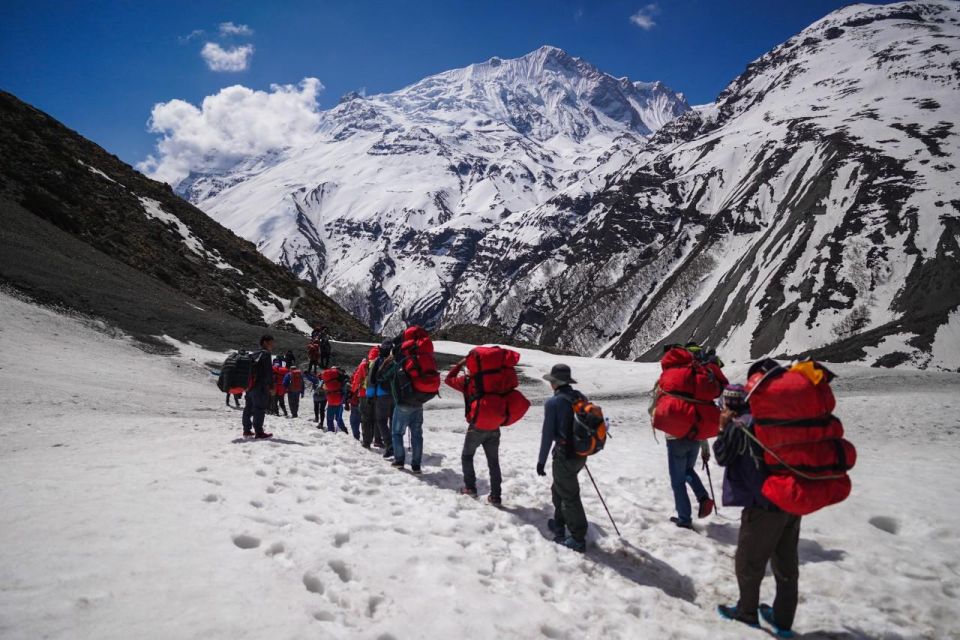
point(380, 402)
point(353, 401)
point(279, 391)
point(404, 416)
point(258, 397)
point(475, 438)
point(326, 349)
point(558, 432)
point(313, 355)
point(289, 359)
point(319, 399)
point(368, 428)
point(293, 382)
point(335, 405)
point(766, 532)
point(681, 463)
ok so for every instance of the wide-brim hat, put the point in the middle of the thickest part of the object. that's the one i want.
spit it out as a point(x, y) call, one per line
point(560, 374)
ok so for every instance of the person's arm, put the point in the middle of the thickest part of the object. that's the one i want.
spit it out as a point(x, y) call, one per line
point(548, 434)
point(287, 379)
point(454, 379)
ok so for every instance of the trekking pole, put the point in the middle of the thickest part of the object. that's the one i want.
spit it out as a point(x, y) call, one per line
point(713, 496)
point(602, 500)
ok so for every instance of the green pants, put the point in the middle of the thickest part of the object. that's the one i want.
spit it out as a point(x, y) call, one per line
point(567, 508)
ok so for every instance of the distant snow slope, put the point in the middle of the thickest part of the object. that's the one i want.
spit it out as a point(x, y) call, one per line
point(132, 510)
point(384, 206)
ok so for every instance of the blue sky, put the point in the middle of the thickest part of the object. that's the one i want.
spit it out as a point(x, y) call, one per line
point(101, 66)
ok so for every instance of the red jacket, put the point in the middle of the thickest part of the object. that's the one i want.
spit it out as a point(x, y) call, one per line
point(455, 379)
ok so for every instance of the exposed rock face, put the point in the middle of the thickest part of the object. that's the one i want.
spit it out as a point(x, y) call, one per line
point(82, 229)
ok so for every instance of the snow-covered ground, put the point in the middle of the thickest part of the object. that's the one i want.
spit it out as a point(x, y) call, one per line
point(132, 509)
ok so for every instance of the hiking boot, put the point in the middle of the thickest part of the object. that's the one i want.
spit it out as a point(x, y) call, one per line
point(248, 434)
point(572, 543)
point(766, 612)
point(343, 430)
point(467, 491)
point(494, 500)
point(396, 464)
point(706, 508)
point(263, 435)
point(415, 469)
point(365, 445)
point(730, 613)
point(683, 524)
point(388, 453)
point(558, 530)
point(378, 444)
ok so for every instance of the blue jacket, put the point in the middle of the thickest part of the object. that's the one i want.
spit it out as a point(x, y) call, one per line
point(319, 391)
point(374, 389)
point(744, 471)
point(557, 421)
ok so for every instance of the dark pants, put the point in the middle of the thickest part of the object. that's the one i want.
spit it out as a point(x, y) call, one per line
point(325, 360)
point(490, 441)
point(382, 413)
point(355, 421)
point(567, 508)
point(313, 366)
point(278, 403)
point(768, 536)
point(682, 462)
point(319, 408)
point(367, 425)
point(294, 400)
point(254, 411)
point(236, 398)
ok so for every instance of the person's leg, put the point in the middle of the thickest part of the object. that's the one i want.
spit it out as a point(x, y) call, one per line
point(228, 399)
point(366, 421)
point(384, 413)
point(491, 449)
point(677, 465)
point(316, 411)
point(294, 399)
point(759, 531)
point(691, 477)
point(339, 416)
point(247, 418)
point(397, 429)
point(236, 399)
point(283, 405)
point(260, 401)
point(470, 443)
point(355, 421)
point(568, 488)
point(331, 416)
point(786, 571)
point(416, 437)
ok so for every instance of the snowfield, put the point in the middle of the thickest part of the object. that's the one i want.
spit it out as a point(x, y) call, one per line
point(133, 509)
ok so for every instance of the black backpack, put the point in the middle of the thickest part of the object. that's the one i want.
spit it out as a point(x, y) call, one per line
point(237, 371)
point(403, 390)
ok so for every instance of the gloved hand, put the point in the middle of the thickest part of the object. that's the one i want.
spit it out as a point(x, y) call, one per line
point(705, 455)
point(540, 470)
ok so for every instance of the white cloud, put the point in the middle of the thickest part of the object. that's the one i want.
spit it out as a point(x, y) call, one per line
point(231, 29)
point(644, 17)
point(234, 124)
point(220, 59)
point(196, 33)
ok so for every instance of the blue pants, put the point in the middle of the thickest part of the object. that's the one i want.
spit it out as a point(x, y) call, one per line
point(254, 411)
point(355, 421)
point(682, 458)
point(405, 416)
point(335, 413)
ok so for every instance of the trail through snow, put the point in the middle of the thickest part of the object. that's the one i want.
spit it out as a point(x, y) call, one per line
point(132, 508)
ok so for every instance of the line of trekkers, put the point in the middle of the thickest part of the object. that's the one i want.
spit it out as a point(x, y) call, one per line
point(782, 448)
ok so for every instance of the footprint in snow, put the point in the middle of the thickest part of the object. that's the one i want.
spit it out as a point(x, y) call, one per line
point(201, 469)
point(312, 582)
point(885, 523)
point(261, 473)
point(313, 518)
point(373, 604)
point(213, 482)
point(212, 497)
point(341, 539)
point(256, 504)
point(275, 549)
point(340, 568)
point(246, 541)
point(324, 616)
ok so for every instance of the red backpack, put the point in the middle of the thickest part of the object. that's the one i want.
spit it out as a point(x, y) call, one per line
point(334, 381)
point(802, 441)
point(683, 399)
point(419, 362)
point(278, 374)
point(296, 381)
point(313, 351)
point(491, 397)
